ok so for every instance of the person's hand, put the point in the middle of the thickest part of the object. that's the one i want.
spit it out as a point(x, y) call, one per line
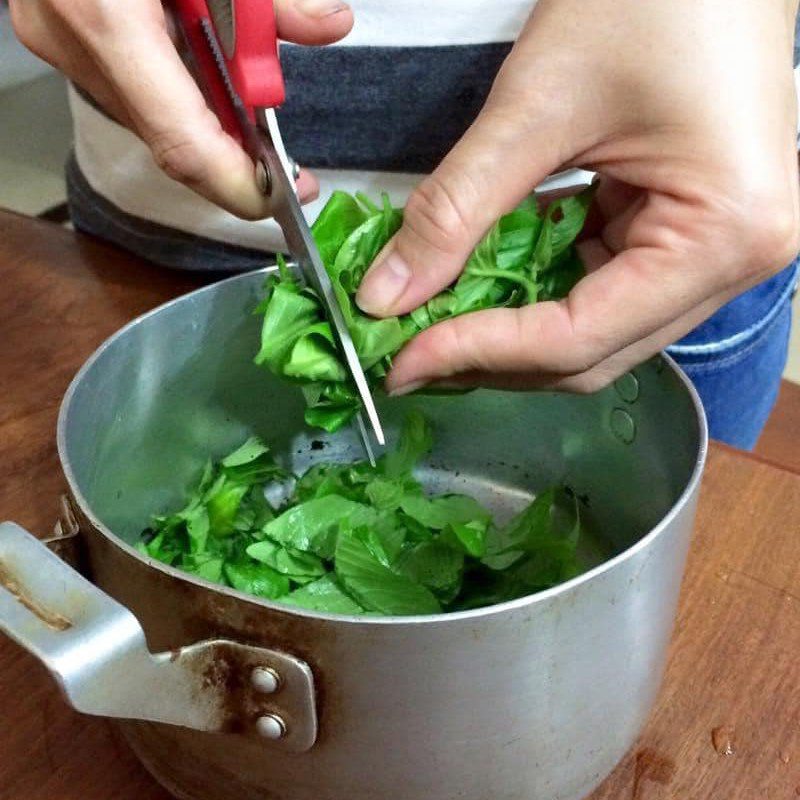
point(121, 53)
point(687, 109)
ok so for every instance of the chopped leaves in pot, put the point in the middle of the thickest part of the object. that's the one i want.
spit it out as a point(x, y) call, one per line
point(528, 256)
point(356, 539)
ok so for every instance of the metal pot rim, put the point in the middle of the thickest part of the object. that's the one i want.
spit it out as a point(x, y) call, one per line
point(432, 619)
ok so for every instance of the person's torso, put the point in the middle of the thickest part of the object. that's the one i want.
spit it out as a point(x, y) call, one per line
point(371, 113)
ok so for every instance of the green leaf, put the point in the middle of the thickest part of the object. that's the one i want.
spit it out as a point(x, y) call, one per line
point(358, 251)
point(204, 566)
point(289, 313)
point(468, 536)
point(254, 512)
point(376, 338)
point(543, 252)
point(519, 232)
point(166, 546)
point(294, 563)
point(313, 356)
point(375, 586)
point(385, 494)
point(341, 216)
point(415, 532)
point(416, 441)
point(435, 565)
point(222, 503)
point(569, 215)
point(475, 290)
point(559, 282)
point(347, 480)
point(326, 595)
point(330, 405)
point(444, 511)
point(312, 526)
point(251, 463)
point(197, 527)
point(245, 456)
point(548, 527)
point(362, 539)
point(384, 538)
point(257, 579)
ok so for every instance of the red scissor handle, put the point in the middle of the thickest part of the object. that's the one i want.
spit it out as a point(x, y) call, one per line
point(251, 56)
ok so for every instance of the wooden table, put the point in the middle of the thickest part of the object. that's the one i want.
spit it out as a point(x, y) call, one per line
point(727, 724)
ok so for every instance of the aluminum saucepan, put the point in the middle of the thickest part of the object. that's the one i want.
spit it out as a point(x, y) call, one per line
point(228, 697)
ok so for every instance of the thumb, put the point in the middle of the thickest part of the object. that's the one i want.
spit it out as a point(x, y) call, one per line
point(505, 153)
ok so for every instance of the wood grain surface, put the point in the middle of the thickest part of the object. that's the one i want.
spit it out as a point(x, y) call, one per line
point(726, 724)
point(780, 441)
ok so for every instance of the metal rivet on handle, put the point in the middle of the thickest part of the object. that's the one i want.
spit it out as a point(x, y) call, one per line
point(271, 726)
point(265, 680)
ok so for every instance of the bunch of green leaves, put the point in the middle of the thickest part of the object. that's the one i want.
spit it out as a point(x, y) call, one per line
point(357, 539)
point(528, 256)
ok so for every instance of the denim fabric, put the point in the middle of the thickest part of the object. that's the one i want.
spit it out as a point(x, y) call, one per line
point(93, 214)
point(736, 359)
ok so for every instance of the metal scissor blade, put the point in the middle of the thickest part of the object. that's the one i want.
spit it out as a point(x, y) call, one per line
point(288, 214)
point(264, 144)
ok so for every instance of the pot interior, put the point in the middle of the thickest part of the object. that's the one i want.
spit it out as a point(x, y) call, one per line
point(179, 386)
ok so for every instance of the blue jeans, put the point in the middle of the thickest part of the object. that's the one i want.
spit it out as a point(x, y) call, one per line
point(736, 358)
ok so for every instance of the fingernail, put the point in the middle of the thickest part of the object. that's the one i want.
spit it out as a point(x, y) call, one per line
point(407, 388)
point(321, 8)
point(383, 285)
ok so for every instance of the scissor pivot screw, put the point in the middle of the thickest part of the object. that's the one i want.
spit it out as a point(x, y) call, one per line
point(263, 178)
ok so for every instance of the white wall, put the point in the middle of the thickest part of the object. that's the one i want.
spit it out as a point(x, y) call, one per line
point(17, 65)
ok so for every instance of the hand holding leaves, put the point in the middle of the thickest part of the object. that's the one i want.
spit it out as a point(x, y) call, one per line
point(528, 256)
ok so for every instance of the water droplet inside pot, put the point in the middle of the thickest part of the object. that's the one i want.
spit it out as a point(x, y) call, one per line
point(623, 426)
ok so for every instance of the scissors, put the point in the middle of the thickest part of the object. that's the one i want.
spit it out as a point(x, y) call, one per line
point(232, 48)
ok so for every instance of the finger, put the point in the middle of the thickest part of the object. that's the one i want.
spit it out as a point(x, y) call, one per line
point(309, 22)
point(313, 22)
point(608, 370)
point(617, 233)
point(508, 150)
point(563, 338)
point(602, 374)
point(613, 197)
point(307, 186)
point(641, 290)
point(167, 108)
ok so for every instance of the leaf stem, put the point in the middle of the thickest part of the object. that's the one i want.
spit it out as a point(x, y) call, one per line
point(531, 288)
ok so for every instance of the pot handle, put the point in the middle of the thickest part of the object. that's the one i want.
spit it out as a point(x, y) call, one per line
point(96, 650)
